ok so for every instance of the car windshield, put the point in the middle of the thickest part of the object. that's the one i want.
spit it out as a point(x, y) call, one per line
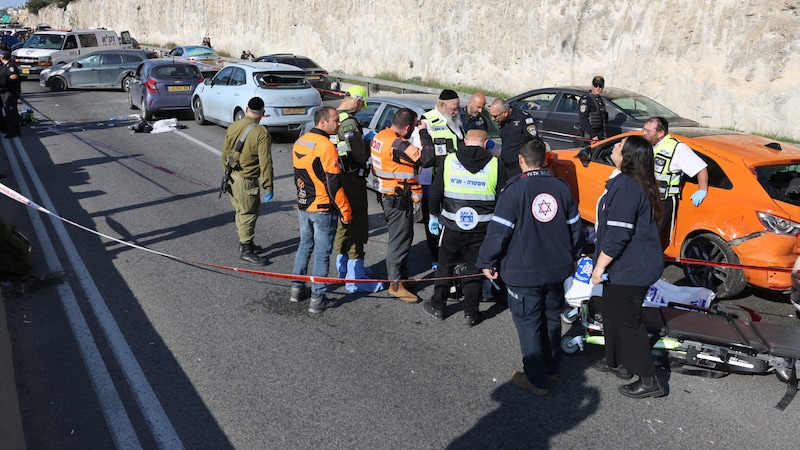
point(781, 181)
point(278, 80)
point(47, 41)
point(177, 72)
point(642, 108)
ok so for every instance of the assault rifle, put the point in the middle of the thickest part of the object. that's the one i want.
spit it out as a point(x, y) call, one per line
point(223, 187)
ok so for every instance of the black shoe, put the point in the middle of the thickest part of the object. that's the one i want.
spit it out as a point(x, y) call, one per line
point(246, 253)
point(619, 371)
point(428, 308)
point(471, 320)
point(637, 389)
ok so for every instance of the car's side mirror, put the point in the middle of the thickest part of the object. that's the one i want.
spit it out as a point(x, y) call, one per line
point(208, 81)
point(585, 155)
point(77, 65)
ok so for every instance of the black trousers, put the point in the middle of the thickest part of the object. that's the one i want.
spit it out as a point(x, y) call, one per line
point(668, 221)
point(10, 112)
point(456, 247)
point(626, 338)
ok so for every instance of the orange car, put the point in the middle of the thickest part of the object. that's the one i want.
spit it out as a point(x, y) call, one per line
point(751, 215)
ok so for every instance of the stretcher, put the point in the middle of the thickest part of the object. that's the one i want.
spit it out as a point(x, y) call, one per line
point(712, 339)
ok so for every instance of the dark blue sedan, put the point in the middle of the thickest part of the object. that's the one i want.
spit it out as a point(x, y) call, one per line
point(161, 85)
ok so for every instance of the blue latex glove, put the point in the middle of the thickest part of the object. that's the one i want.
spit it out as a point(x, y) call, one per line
point(268, 196)
point(698, 197)
point(489, 144)
point(368, 137)
point(433, 225)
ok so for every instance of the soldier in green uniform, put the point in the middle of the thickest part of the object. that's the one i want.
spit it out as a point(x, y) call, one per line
point(248, 150)
point(353, 157)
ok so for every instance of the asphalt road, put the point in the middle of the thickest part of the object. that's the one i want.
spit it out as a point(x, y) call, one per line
point(116, 346)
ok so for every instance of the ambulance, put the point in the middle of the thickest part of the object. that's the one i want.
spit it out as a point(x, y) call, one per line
point(50, 47)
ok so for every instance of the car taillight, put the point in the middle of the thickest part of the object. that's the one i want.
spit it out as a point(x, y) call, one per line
point(151, 86)
point(201, 80)
point(191, 59)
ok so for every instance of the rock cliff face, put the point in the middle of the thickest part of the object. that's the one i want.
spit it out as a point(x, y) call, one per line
point(725, 63)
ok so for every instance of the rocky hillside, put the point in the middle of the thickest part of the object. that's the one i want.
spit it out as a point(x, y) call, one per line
point(729, 63)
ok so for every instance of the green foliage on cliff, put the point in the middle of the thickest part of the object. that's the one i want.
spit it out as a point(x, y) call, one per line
point(35, 5)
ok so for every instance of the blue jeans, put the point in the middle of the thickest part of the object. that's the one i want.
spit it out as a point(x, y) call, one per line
point(536, 311)
point(317, 230)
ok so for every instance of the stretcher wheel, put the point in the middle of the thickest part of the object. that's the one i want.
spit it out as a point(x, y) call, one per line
point(569, 315)
point(568, 344)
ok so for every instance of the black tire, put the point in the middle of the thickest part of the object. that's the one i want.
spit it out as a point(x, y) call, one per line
point(238, 115)
point(58, 84)
point(568, 315)
point(126, 83)
point(199, 117)
point(726, 282)
point(146, 115)
point(131, 104)
point(568, 346)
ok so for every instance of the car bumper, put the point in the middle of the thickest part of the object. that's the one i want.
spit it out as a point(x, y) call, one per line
point(769, 251)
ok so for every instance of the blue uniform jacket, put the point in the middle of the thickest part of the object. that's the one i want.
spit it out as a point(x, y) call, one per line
point(536, 233)
point(626, 233)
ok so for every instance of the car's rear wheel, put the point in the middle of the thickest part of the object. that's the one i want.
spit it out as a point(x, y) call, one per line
point(197, 106)
point(131, 104)
point(126, 83)
point(146, 115)
point(58, 84)
point(726, 282)
point(238, 115)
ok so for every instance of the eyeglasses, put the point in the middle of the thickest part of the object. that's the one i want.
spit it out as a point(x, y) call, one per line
point(495, 116)
point(597, 86)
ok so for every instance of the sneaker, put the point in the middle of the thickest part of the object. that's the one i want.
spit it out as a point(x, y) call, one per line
point(522, 381)
point(428, 308)
point(318, 304)
point(297, 293)
point(619, 371)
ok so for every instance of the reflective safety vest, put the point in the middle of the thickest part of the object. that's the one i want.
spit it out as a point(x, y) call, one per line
point(469, 198)
point(668, 183)
point(393, 164)
point(341, 140)
point(444, 140)
point(316, 176)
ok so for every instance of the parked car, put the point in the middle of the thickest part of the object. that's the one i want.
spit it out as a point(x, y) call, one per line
point(555, 110)
point(99, 69)
point(751, 215)
point(380, 110)
point(290, 100)
point(204, 57)
point(318, 76)
point(161, 85)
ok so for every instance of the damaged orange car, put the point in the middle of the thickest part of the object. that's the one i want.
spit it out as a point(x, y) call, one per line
point(751, 215)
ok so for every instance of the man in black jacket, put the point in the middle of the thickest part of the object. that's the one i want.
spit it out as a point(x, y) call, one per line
point(462, 199)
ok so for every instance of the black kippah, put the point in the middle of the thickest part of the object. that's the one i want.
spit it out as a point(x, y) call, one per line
point(448, 94)
point(255, 104)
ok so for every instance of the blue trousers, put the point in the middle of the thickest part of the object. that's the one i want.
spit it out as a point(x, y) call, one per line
point(536, 311)
point(317, 230)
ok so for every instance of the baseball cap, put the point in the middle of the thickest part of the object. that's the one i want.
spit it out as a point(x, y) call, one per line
point(598, 81)
point(359, 92)
point(5, 54)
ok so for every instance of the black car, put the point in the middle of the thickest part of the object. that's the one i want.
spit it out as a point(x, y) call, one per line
point(555, 111)
point(318, 76)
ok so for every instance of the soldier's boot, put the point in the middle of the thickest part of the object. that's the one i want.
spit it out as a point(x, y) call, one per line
point(357, 271)
point(396, 289)
point(341, 265)
point(247, 253)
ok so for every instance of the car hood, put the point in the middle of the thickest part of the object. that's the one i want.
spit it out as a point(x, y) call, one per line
point(53, 70)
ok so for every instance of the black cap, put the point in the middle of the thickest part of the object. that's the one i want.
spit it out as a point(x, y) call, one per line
point(5, 54)
point(448, 94)
point(598, 81)
point(255, 104)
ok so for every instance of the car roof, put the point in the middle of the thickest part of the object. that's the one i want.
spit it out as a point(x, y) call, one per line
point(413, 101)
point(165, 61)
point(610, 93)
point(258, 66)
point(129, 51)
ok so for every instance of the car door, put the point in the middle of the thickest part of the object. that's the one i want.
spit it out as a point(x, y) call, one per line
point(109, 69)
point(83, 72)
point(563, 123)
point(137, 85)
point(214, 96)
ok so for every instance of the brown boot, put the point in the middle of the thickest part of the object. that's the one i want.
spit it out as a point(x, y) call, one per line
point(398, 290)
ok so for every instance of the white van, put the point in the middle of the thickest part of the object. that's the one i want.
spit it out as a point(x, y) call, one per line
point(47, 48)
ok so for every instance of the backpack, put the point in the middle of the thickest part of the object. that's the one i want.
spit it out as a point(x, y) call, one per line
point(16, 258)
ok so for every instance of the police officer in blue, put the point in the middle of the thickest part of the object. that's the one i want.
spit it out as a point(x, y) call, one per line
point(592, 111)
point(461, 203)
point(535, 237)
point(471, 117)
point(516, 128)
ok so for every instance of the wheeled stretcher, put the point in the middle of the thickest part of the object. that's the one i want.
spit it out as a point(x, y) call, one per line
point(712, 339)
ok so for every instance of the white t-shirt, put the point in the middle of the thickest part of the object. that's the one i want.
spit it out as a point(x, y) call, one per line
point(685, 160)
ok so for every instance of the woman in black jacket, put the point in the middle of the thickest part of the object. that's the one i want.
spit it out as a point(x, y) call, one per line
point(628, 252)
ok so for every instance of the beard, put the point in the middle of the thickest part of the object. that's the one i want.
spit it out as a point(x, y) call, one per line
point(454, 123)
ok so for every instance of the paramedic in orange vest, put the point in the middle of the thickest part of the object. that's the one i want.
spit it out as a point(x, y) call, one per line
point(395, 165)
point(321, 202)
